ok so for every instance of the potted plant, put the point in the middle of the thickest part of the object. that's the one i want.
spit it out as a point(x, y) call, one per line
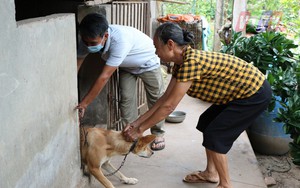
point(289, 115)
point(272, 54)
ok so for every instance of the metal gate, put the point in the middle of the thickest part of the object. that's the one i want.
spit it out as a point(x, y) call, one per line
point(135, 14)
point(131, 13)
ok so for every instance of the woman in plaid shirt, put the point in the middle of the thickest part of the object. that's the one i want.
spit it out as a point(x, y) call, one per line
point(237, 90)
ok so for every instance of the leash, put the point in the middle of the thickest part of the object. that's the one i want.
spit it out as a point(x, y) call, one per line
point(123, 162)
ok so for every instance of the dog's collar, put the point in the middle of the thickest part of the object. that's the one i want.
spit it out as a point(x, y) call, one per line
point(132, 146)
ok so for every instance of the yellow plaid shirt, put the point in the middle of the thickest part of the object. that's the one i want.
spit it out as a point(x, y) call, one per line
point(217, 78)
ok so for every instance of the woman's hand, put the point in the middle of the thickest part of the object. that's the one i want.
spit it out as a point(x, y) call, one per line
point(131, 132)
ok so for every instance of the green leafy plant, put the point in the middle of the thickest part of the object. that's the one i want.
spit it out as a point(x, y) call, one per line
point(289, 114)
point(272, 54)
point(251, 28)
point(267, 51)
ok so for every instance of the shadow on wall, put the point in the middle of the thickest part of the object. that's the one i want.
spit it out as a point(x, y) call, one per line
point(91, 68)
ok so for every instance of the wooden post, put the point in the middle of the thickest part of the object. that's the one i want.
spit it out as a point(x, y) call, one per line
point(218, 24)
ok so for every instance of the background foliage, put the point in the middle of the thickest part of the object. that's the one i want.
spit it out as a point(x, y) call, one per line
point(290, 9)
point(197, 7)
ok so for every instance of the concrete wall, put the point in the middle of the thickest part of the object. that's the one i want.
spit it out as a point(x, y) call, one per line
point(39, 136)
point(155, 9)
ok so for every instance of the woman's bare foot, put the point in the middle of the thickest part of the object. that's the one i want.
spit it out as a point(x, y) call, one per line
point(201, 177)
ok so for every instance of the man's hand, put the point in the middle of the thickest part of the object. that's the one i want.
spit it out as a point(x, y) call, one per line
point(81, 110)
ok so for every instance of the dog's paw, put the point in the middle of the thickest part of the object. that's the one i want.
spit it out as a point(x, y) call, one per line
point(131, 181)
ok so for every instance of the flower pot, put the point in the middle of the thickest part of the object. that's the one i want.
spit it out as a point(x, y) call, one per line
point(267, 136)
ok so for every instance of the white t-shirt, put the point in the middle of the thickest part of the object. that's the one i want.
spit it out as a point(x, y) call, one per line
point(127, 48)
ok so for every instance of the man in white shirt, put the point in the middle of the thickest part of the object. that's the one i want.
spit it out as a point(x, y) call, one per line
point(133, 53)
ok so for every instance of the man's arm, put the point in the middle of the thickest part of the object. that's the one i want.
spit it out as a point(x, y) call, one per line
point(79, 63)
point(96, 88)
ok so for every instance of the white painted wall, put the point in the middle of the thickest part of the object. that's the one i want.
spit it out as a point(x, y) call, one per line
point(39, 136)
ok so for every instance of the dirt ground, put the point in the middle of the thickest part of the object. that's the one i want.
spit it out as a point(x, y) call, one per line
point(279, 170)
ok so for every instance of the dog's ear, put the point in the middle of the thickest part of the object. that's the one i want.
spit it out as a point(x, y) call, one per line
point(148, 139)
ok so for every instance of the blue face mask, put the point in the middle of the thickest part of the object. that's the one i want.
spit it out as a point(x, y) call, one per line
point(97, 48)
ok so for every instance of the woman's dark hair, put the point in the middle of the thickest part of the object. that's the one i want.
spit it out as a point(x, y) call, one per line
point(174, 32)
point(93, 25)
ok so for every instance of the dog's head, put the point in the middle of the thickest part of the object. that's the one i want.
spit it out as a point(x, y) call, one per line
point(142, 147)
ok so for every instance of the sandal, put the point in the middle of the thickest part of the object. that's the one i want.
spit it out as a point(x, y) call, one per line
point(158, 144)
point(197, 177)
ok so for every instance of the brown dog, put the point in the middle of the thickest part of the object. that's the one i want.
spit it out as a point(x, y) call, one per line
point(98, 145)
